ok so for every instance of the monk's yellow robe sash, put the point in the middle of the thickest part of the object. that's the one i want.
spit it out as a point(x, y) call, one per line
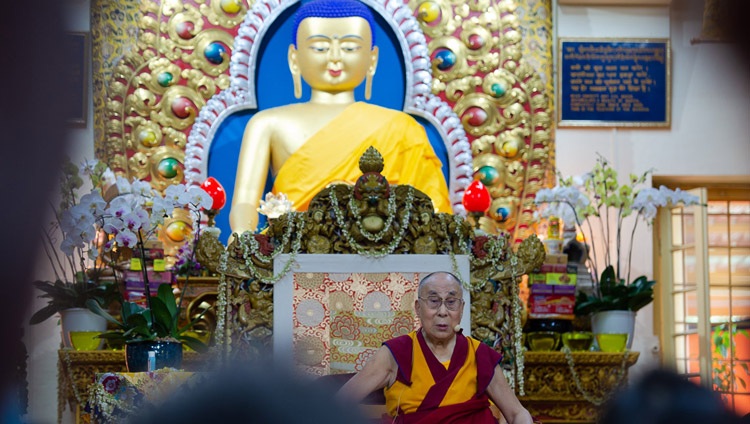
point(332, 155)
point(427, 390)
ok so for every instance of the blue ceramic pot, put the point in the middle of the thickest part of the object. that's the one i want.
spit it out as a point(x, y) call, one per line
point(168, 354)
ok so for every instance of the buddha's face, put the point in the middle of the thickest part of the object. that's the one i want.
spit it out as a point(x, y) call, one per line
point(333, 54)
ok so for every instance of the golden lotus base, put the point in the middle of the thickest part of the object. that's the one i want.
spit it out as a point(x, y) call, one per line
point(551, 393)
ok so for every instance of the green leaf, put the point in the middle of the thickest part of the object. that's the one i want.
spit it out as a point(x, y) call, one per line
point(608, 280)
point(96, 308)
point(193, 343)
point(166, 295)
point(162, 317)
point(44, 313)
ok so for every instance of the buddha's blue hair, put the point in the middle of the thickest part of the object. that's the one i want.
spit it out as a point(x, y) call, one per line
point(333, 9)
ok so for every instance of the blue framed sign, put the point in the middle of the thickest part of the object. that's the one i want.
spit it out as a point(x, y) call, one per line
point(614, 83)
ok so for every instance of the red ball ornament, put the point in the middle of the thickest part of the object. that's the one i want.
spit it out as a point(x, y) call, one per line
point(477, 197)
point(216, 191)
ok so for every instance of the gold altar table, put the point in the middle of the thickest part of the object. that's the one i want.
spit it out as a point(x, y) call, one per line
point(78, 369)
point(551, 394)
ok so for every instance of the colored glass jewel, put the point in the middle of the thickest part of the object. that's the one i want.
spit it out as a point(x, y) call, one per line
point(475, 116)
point(445, 59)
point(147, 138)
point(428, 12)
point(488, 175)
point(502, 213)
point(215, 53)
point(510, 148)
point(185, 30)
point(476, 41)
point(176, 231)
point(231, 6)
point(181, 107)
point(168, 167)
point(164, 79)
point(498, 90)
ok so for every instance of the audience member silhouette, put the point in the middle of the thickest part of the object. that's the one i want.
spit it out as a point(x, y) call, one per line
point(663, 397)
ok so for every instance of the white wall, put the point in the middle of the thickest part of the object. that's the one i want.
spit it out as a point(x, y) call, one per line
point(710, 131)
point(710, 135)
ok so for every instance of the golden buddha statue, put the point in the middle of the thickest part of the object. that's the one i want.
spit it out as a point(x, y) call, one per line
point(312, 144)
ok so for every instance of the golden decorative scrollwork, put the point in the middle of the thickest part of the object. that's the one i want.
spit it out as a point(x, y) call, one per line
point(551, 394)
point(492, 71)
point(368, 218)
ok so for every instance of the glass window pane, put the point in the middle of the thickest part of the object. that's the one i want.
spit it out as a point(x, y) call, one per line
point(739, 206)
point(718, 230)
point(718, 265)
point(679, 307)
point(739, 300)
point(688, 227)
point(680, 348)
point(719, 304)
point(742, 345)
point(740, 265)
point(723, 379)
point(693, 350)
point(678, 269)
point(739, 229)
point(694, 366)
point(742, 405)
point(741, 376)
point(677, 229)
point(691, 306)
point(689, 265)
point(717, 206)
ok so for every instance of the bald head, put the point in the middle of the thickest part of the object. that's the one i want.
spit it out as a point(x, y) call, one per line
point(440, 275)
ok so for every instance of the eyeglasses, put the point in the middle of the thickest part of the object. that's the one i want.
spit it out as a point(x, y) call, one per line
point(434, 302)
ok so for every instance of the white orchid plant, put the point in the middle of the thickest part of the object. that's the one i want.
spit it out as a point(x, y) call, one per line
point(119, 214)
point(593, 202)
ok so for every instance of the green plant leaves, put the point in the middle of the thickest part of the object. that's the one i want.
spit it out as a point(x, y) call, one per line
point(159, 322)
point(616, 294)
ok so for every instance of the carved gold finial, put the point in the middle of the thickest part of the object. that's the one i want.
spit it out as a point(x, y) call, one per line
point(371, 161)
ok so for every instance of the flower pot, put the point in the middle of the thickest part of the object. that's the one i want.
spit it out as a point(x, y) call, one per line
point(614, 322)
point(79, 320)
point(168, 354)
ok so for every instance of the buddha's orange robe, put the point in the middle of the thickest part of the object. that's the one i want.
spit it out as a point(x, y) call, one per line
point(332, 155)
point(428, 391)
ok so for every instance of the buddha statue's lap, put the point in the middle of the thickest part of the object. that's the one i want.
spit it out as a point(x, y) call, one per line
point(309, 145)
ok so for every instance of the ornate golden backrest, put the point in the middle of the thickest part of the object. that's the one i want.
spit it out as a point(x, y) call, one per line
point(370, 218)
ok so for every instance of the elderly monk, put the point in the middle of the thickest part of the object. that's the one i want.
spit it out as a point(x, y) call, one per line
point(309, 145)
point(436, 374)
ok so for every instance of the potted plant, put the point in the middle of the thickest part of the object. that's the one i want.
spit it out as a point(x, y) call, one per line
point(74, 253)
point(603, 210)
point(117, 216)
point(154, 328)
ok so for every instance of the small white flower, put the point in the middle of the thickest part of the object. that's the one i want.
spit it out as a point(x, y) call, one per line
point(123, 185)
point(275, 205)
point(119, 206)
point(160, 208)
point(86, 167)
point(113, 225)
point(108, 178)
point(126, 238)
point(94, 202)
point(174, 193)
point(141, 188)
point(199, 198)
